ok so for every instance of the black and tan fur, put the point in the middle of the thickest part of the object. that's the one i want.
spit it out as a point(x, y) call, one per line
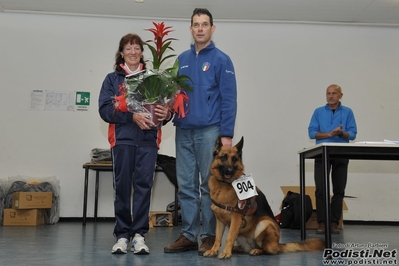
point(250, 230)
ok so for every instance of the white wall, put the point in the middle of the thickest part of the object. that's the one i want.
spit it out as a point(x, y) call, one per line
point(282, 73)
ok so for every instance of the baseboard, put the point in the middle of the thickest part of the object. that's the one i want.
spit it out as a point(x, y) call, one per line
point(112, 219)
point(88, 219)
point(356, 222)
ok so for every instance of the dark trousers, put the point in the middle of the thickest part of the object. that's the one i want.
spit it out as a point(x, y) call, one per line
point(133, 167)
point(339, 174)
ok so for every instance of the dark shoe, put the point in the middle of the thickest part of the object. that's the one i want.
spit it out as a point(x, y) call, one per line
point(334, 228)
point(180, 245)
point(321, 229)
point(207, 244)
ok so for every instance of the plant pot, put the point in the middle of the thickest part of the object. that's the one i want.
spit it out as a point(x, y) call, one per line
point(150, 107)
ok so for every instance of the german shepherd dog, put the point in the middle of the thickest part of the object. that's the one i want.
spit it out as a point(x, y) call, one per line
point(252, 227)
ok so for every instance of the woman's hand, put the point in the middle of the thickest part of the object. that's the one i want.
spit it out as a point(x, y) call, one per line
point(162, 112)
point(142, 121)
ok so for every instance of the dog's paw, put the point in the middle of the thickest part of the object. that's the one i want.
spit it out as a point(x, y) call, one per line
point(256, 252)
point(210, 253)
point(224, 255)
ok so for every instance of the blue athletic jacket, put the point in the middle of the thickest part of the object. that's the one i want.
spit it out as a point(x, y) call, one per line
point(213, 100)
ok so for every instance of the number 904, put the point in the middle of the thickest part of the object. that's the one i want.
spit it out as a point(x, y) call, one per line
point(245, 186)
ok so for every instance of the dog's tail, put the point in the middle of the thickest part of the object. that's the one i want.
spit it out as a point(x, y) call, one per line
point(313, 244)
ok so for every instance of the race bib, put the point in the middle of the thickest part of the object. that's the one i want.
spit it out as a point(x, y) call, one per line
point(245, 187)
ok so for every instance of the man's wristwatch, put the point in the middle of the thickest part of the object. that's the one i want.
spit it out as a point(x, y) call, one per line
point(341, 134)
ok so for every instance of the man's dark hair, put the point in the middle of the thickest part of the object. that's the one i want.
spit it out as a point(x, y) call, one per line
point(202, 11)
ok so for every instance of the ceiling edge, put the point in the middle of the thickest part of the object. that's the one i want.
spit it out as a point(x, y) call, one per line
point(221, 20)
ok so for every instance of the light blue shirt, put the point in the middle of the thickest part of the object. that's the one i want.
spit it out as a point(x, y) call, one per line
point(325, 120)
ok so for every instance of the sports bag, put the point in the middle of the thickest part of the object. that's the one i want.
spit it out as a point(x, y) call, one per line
point(290, 216)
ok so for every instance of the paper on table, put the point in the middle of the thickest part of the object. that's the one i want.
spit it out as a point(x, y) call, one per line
point(385, 141)
point(392, 141)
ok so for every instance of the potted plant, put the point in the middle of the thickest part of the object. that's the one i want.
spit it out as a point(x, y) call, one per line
point(156, 85)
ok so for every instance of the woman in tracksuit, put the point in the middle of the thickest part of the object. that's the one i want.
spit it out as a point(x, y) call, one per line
point(134, 145)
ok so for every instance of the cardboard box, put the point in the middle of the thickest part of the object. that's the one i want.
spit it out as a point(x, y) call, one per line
point(160, 219)
point(32, 217)
point(310, 190)
point(32, 200)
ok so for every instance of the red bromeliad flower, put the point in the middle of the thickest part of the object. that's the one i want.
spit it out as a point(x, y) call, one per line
point(161, 45)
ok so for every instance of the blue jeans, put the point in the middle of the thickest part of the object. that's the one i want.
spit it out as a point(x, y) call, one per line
point(194, 155)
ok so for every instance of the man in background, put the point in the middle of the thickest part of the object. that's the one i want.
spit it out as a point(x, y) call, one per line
point(332, 122)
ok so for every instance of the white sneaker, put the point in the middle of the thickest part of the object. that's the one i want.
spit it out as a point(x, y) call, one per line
point(139, 246)
point(120, 247)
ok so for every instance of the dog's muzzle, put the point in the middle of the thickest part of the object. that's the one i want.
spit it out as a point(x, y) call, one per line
point(226, 172)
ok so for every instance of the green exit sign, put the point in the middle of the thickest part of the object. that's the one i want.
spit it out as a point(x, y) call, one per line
point(82, 98)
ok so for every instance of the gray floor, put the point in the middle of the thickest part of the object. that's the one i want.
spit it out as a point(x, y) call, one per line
point(68, 243)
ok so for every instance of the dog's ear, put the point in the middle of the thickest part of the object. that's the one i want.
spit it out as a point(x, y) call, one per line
point(239, 146)
point(218, 145)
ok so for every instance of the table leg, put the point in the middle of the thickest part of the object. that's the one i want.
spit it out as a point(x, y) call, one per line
point(326, 187)
point(96, 195)
point(302, 192)
point(85, 195)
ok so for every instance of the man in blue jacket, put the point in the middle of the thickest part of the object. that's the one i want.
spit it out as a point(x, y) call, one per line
point(211, 112)
point(332, 122)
